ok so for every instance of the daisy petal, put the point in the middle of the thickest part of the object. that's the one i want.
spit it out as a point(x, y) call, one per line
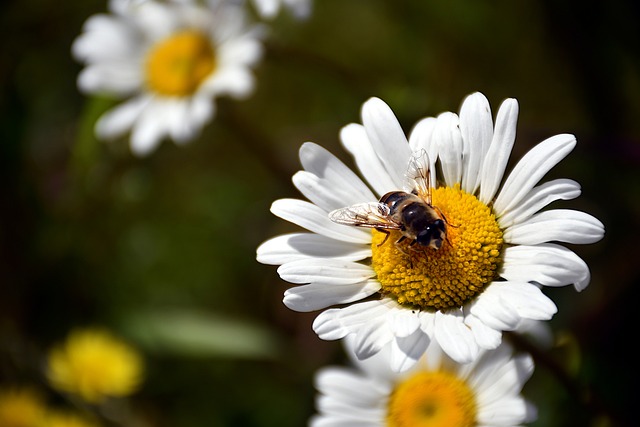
point(406, 351)
point(486, 337)
point(325, 271)
point(546, 264)
point(531, 168)
point(387, 138)
point(476, 128)
point(327, 182)
point(447, 133)
point(297, 246)
point(340, 383)
point(492, 312)
point(526, 299)
point(497, 156)
point(336, 323)
point(455, 338)
point(561, 225)
point(538, 198)
point(505, 411)
point(421, 138)
point(371, 337)
point(121, 118)
point(355, 140)
point(317, 296)
point(313, 218)
point(403, 323)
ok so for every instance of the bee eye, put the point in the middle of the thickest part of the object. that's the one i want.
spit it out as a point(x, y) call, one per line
point(424, 237)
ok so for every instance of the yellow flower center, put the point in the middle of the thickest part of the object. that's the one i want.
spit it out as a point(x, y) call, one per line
point(177, 65)
point(437, 279)
point(432, 399)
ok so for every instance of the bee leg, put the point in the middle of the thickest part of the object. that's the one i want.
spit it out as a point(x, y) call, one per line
point(400, 240)
point(445, 218)
point(382, 230)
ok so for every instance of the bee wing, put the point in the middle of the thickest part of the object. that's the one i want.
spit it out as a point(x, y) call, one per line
point(371, 215)
point(418, 177)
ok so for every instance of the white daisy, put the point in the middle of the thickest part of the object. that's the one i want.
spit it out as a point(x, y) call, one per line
point(269, 8)
point(487, 275)
point(434, 392)
point(169, 59)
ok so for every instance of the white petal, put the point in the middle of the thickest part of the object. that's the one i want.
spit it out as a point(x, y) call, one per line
point(447, 136)
point(499, 151)
point(121, 118)
point(372, 336)
point(488, 307)
point(486, 337)
point(531, 168)
point(311, 217)
point(317, 296)
point(561, 225)
point(326, 271)
point(538, 198)
point(116, 79)
point(327, 182)
point(476, 128)
point(387, 138)
point(546, 264)
point(355, 140)
point(336, 323)
point(455, 338)
point(296, 246)
point(404, 322)
point(235, 81)
point(106, 38)
point(508, 411)
point(526, 299)
point(151, 127)
point(421, 138)
point(341, 382)
point(406, 351)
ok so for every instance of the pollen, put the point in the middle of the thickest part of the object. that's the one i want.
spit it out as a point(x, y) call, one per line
point(178, 65)
point(438, 279)
point(432, 399)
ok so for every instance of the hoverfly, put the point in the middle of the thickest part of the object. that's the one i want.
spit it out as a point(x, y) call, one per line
point(410, 211)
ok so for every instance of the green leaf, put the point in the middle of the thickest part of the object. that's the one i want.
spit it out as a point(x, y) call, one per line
point(192, 333)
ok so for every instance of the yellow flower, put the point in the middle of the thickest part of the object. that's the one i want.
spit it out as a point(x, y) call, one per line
point(94, 365)
point(20, 407)
point(66, 419)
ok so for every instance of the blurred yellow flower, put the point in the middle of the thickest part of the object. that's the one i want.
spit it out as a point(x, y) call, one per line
point(94, 365)
point(66, 419)
point(20, 407)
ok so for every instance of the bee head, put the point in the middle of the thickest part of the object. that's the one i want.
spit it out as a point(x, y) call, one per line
point(432, 235)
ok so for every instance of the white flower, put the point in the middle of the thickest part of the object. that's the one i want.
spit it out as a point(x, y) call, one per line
point(487, 276)
point(269, 8)
point(435, 392)
point(169, 60)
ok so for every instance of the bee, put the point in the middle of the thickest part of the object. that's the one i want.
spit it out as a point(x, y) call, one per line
point(410, 211)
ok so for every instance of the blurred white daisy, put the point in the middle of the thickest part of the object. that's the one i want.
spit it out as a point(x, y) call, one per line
point(169, 60)
point(269, 8)
point(434, 392)
point(487, 275)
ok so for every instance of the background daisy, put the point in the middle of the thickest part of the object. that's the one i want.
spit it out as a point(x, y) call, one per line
point(169, 60)
point(484, 280)
point(270, 8)
point(435, 392)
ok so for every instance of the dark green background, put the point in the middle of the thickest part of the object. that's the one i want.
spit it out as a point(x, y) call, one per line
point(162, 249)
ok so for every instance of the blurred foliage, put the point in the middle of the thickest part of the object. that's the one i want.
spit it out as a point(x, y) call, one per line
point(162, 249)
